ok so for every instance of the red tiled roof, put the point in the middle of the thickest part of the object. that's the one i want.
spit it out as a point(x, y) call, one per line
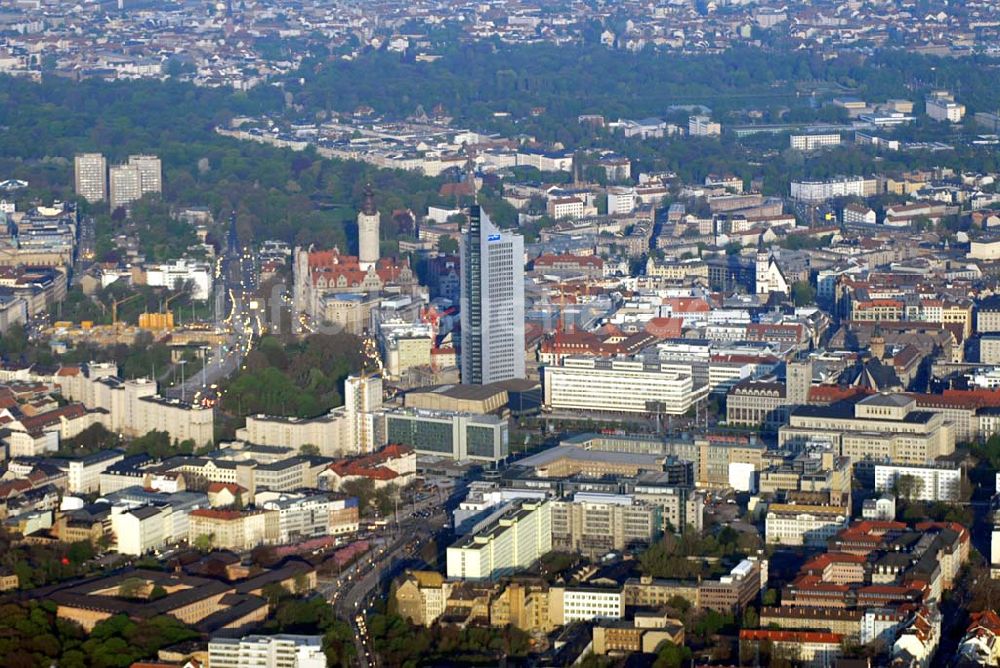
point(686, 305)
point(216, 487)
point(665, 328)
point(791, 636)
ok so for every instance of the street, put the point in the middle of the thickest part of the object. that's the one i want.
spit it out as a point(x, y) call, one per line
point(356, 589)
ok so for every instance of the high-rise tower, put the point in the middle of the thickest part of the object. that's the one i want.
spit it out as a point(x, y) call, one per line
point(91, 171)
point(492, 302)
point(368, 231)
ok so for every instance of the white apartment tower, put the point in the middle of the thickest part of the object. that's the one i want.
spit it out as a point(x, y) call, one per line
point(363, 406)
point(492, 302)
point(91, 176)
point(151, 170)
point(368, 231)
point(125, 185)
point(142, 174)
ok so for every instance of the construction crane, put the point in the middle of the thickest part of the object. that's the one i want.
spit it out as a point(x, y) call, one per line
point(118, 302)
point(166, 303)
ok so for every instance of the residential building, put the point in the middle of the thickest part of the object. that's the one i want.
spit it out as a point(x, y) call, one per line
point(234, 529)
point(303, 516)
point(363, 405)
point(621, 200)
point(930, 482)
point(421, 596)
point(812, 649)
point(818, 191)
point(91, 176)
point(514, 541)
point(801, 524)
point(150, 171)
point(492, 302)
point(138, 531)
point(182, 274)
point(277, 651)
point(125, 185)
point(357, 427)
point(84, 473)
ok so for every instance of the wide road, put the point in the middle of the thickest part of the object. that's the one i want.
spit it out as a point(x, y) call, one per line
point(239, 282)
point(356, 589)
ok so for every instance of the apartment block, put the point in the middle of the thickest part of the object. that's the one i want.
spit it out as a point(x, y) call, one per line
point(818, 191)
point(931, 482)
point(125, 185)
point(234, 529)
point(801, 524)
point(513, 541)
point(91, 176)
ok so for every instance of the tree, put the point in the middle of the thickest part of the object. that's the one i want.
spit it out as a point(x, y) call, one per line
point(671, 655)
point(309, 450)
point(908, 486)
point(203, 542)
point(361, 488)
point(132, 588)
point(803, 293)
point(751, 619)
point(447, 245)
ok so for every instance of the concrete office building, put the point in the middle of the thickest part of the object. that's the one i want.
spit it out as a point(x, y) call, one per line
point(586, 604)
point(941, 106)
point(91, 176)
point(513, 542)
point(596, 524)
point(595, 384)
point(813, 142)
point(277, 651)
point(368, 231)
point(492, 302)
point(459, 436)
point(703, 126)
